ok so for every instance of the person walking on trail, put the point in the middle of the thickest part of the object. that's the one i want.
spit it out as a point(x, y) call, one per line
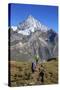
point(37, 59)
point(41, 74)
point(33, 67)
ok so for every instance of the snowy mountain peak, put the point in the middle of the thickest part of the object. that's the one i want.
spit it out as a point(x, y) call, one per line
point(30, 17)
point(30, 25)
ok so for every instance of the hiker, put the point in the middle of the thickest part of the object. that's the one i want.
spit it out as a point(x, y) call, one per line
point(41, 74)
point(37, 58)
point(33, 66)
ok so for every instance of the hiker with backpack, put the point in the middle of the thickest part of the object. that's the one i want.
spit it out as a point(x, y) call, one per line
point(33, 67)
point(41, 74)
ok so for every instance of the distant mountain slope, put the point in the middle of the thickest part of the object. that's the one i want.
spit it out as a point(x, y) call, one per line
point(33, 38)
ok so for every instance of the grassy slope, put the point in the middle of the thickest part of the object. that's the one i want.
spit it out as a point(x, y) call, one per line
point(21, 73)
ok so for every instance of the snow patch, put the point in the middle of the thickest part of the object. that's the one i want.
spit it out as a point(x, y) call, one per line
point(14, 28)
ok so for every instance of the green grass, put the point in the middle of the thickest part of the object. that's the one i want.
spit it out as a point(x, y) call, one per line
point(21, 73)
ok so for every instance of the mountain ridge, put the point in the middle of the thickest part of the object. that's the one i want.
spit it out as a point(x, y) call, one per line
point(30, 39)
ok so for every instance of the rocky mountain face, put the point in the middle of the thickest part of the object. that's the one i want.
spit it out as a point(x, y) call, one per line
point(33, 38)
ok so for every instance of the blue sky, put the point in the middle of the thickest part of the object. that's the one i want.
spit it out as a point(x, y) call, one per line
point(47, 15)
